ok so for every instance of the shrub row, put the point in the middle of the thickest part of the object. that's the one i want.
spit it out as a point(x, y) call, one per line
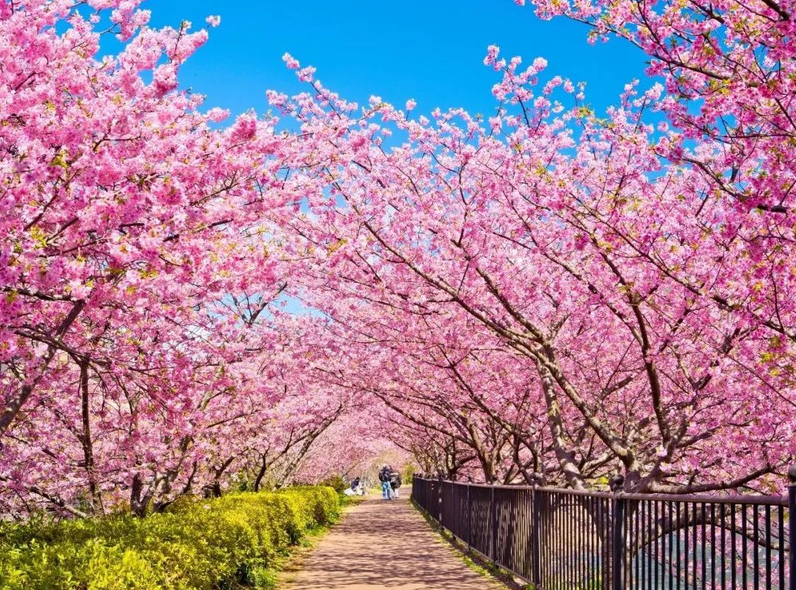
point(220, 544)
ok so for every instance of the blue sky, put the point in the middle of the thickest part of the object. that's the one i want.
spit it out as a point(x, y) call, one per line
point(431, 51)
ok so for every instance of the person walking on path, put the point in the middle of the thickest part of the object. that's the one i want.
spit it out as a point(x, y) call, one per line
point(384, 478)
point(395, 483)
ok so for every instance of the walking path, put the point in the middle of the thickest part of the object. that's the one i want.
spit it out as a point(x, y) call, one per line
point(386, 544)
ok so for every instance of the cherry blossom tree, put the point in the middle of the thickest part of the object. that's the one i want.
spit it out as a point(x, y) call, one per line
point(566, 237)
point(134, 265)
point(545, 295)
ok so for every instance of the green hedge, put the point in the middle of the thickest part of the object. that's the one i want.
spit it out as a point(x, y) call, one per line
point(219, 544)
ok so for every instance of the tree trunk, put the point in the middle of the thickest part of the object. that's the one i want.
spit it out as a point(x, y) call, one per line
point(260, 474)
point(139, 503)
point(85, 439)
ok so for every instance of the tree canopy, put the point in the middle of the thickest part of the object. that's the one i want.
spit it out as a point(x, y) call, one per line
point(546, 294)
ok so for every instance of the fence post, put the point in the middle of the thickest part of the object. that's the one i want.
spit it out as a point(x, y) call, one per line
point(469, 534)
point(493, 524)
point(439, 501)
point(618, 544)
point(536, 540)
point(792, 528)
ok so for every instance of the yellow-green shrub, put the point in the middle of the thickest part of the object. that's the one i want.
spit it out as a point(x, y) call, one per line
point(225, 543)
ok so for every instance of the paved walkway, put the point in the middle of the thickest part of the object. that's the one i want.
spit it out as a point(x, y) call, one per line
point(385, 544)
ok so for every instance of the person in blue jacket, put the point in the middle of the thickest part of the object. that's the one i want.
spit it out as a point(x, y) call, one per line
point(384, 478)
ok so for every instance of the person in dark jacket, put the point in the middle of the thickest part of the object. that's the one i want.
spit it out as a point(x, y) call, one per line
point(395, 483)
point(384, 478)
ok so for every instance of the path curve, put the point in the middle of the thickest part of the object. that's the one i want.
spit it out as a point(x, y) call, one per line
point(386, 544)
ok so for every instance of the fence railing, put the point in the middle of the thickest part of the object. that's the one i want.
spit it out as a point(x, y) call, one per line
point(567, 539)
